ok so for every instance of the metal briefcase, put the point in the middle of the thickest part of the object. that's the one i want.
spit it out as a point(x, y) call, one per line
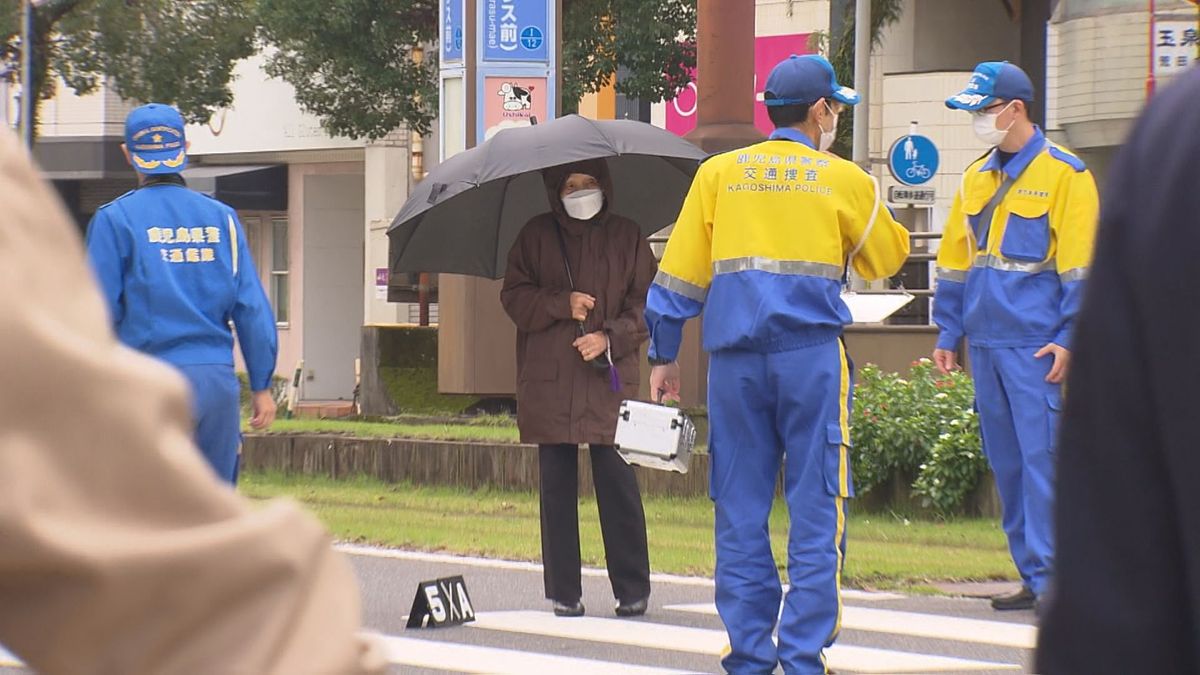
point(655, 436)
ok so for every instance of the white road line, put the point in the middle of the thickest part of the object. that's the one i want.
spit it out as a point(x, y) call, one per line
point(915, 624)
point(869, 596)
point(712, 642)
point(1000, 633)
point(870, 660)
point(462, 658)
point(470, 561)
point(473, 561)
point(608, 631)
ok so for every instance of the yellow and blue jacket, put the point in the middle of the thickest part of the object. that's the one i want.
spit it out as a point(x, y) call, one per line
point(761, 245)
point(1022, 284)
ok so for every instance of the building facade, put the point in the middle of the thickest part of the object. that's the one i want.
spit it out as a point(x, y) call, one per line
point(316, 208)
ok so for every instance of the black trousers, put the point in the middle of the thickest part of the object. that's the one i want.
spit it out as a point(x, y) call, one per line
point(622, 523)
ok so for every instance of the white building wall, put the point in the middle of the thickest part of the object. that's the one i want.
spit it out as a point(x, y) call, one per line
point(100, 113)
point(1101, 67)
point(772, 17)
point(387, 181)
point(264, 117)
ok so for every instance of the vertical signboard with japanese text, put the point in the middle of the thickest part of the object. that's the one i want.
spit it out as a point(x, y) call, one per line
point(452, 67)
point(452, 31)
point(1175, 46)
point(515, 80)
point(516, 30)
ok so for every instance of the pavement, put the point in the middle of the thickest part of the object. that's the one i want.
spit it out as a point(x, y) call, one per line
point(514, 631)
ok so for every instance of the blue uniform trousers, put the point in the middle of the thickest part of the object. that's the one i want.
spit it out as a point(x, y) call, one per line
point(216, 410)
point(1018, 417)
point(766, 410)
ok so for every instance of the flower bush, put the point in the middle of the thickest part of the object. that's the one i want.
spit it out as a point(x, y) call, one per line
point(922, 427)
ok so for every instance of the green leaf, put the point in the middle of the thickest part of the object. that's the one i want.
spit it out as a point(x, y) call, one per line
point(168, 51)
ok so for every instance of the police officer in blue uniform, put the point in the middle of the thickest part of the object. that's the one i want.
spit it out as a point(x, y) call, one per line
point(175, 270)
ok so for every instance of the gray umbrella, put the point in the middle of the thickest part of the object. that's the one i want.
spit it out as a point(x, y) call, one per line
point(465, 215)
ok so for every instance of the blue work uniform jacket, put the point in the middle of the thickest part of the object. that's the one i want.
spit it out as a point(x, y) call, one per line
point(175, 269)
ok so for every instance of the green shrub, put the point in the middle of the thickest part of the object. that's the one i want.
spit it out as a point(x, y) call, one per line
point(954, 467)
point(414, 390)
point(279, 388)
point(920, 426)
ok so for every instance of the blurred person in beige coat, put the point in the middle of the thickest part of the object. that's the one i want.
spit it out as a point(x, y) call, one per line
point(119, 550)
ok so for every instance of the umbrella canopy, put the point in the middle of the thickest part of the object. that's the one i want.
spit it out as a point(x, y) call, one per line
point(465, 215)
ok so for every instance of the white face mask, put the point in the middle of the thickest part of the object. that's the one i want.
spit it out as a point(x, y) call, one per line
point(828, 137)
point(985, 126)
point(584, 204)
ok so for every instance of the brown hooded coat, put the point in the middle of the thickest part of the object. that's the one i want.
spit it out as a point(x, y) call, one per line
point(560, 397)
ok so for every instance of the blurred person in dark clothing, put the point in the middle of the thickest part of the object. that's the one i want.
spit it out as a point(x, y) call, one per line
point(1127, 595)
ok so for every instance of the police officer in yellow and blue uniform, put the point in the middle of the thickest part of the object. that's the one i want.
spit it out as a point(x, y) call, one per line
point(175, 269)
point(761, 245)
point(1011, 271)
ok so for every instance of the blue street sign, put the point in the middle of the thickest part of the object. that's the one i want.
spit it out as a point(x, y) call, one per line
point(913, 159)
point(452, 30)
point(516, 30)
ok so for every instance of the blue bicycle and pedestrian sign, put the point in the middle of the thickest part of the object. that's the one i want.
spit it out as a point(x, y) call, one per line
point(913, 159)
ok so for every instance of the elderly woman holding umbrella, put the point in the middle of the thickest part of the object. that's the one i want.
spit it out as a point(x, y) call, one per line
point(576, 286)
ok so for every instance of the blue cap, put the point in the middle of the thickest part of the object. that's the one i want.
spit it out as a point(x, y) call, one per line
point(155, 140)
point(993, 81)
point(802, 80)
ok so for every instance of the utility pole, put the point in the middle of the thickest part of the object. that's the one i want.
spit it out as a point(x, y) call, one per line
point(862, 82)
point(725, 59)
point(1150, 84)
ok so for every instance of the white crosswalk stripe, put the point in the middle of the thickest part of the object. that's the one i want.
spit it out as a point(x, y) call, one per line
point(712, 642)
point(440, 655)
point(429, 652)
point(999, 633)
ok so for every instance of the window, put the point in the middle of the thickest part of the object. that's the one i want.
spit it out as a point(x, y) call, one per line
point(278, 288)
point(267, 238)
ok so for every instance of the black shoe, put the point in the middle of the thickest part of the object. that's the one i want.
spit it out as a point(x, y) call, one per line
point(635, 608)
point(565, 609)
point(1022, 599)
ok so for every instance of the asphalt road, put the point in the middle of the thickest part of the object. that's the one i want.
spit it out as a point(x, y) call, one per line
point(514, 630)
point(882, 633)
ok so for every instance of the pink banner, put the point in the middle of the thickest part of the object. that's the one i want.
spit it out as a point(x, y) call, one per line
point(768, 51)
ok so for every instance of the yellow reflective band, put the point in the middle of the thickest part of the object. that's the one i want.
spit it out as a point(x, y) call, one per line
point(840, 504)
point(843, 484)
point(844, 422)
